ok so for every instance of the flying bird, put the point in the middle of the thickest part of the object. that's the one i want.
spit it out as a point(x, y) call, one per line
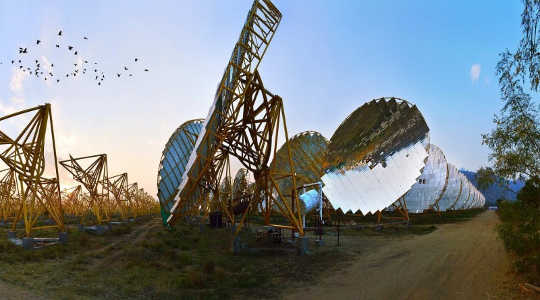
point(57, 46)
point(125, 68)
point(136, 59)
point(37, 42)
point(117, 74)
point(146, 70)
point(60, 33)
point(85, 38)
point(70, 48)
point(75, 53)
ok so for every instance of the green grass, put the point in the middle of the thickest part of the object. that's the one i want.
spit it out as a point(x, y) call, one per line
point(183, 263)
point(143, 260)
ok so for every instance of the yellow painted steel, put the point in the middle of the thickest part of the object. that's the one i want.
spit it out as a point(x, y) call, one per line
point(25, 157)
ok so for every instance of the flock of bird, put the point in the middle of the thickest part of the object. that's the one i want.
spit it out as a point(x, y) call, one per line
point(84, 66)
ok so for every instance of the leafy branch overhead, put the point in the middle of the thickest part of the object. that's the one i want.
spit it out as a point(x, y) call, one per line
point(515, 141)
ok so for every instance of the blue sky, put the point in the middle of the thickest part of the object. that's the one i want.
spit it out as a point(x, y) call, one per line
point(327, 59)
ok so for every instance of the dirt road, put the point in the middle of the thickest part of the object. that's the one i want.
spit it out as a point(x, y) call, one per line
point(457, 261)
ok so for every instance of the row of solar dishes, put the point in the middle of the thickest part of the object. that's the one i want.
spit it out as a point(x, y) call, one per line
point(379, 153)
point(442, 187)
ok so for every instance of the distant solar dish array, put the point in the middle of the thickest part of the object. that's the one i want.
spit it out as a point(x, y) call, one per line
point(442, 187)
point(381, 152)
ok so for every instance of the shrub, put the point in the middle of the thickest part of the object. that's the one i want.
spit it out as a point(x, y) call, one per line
point(520, 229)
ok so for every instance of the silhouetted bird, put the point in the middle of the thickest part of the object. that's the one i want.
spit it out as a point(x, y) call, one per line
point(57, 46)
point(70, 48)
point(19, 61)
point(57, 80)
point(37, 42)
point(130, 75)
point(146, 70)
point(136, 59)
point(75, 53)
point(85, 38)
point(60, 32)
point(117, 74)
point(85, 61)
point(12, 61)
point(52, 65)
point(99, 83)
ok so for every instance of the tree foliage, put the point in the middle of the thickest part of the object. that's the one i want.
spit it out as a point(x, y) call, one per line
point(515, 141)
point(530, 193)
point(485, 177)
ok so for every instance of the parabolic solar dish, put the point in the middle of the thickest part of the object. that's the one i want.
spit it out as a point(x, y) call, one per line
point(429, 188)
point(452, 191)
point(173, 162)
point(307, 150)
point(465, 192)
point(375, 155)
point(458, 192)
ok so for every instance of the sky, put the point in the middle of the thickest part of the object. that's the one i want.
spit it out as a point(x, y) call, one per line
point(326, 59)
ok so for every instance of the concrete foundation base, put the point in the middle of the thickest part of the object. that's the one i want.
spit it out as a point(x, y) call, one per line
point(237, 245)
point(63, 237)
point(97, 229)
point(28, 243)
point(302, 246)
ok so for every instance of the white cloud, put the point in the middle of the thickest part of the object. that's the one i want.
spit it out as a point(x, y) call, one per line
point(17, 100)
point(16, 83)
point(475, 72)
point(6, 109)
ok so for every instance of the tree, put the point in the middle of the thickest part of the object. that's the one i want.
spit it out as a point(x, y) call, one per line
point(485, 177)
point(515, 141)
point(530, 193)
